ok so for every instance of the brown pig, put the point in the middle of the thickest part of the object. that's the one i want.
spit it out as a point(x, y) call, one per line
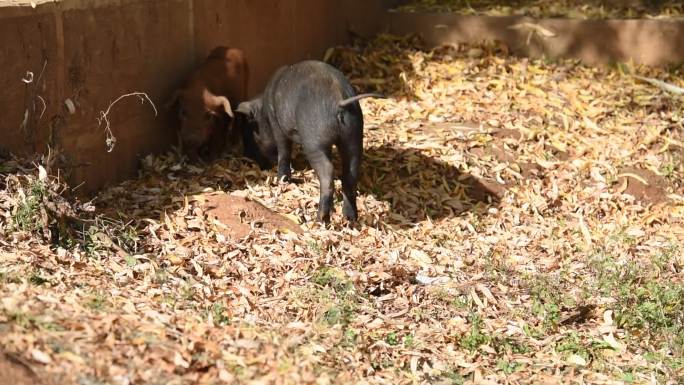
point(205, 103)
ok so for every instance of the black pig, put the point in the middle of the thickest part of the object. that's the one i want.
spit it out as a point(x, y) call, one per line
point(310, 103)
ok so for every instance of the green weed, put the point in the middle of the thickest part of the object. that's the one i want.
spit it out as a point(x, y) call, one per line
point(27, 216)
point(475, 336)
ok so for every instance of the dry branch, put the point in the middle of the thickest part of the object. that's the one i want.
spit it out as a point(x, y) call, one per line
point(104, 116)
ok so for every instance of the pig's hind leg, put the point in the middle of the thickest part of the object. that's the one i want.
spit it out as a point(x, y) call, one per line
point(321, 161)
point(284, 157)
point(351, 153)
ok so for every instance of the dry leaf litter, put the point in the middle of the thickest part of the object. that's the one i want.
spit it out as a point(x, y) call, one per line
point(521, 222)
point(576, 9)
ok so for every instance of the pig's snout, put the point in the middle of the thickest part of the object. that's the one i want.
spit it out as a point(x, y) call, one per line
point(193, 154)
point(193, 134)
point(192, 140)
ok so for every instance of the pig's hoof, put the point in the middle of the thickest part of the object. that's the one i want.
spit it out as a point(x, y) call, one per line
point(323, 218)
point(352, 218)
point(350, 213)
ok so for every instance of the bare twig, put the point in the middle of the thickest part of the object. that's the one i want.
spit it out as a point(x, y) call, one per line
point(44, 106)
point(29, 79)
point(533, 29)
point(41, 72)
point(104, 116)
point(662, 85)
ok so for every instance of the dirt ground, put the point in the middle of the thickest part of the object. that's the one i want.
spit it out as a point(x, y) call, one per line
point(15, 372)
point(521, 221)
point(238, 215)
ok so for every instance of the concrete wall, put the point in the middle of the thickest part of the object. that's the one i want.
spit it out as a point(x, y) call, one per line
point(92, 51)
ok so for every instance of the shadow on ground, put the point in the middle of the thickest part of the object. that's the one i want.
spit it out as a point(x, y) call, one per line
point(418, 186)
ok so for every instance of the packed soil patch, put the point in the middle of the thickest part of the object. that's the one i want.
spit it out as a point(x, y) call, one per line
point(507, 133)
point(15, 372)
point(495, 151)
point(644, 185)
point(240, 216)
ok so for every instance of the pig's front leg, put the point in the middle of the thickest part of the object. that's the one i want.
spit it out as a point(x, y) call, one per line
point(217, 142)
point(284, 155)
point(193, 153)
point(321, 162)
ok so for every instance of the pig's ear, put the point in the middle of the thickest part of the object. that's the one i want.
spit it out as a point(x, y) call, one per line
point(173, 99)
point(225, 103)
point(245, 108)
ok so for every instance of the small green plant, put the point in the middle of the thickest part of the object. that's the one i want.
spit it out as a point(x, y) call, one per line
point(128, 238)
point(349, 338)
point(645, 302)
point(161, 276)
point(51, 326)
point(324, 276)
point(572, 344)
point(37, 280)
point(26, 321)
point(509, 345)
point(547, 299)
point(409, 341)
point(475, 336)
point(202, 358)
point(170, 300)
point(188, 293)
point(453, 377)
point(96, 302)
point(653, 306)
point(64, 237)
point(463, 302)
point(130, 260)
point(218, 313)
point(441, 239)
point(332, 289)
point(6, 278)
point(23, 320)
point(334, 279)
point(628, 378)
point(507, 367)
point(392, 339)
point(340, 314)
point(668, 169)
point(606, 272)
point(673, 362)
point(662, 259)
point(548, 312)
point(584, 347)
point(92, 243)
point(27, 216)
point(314, 246)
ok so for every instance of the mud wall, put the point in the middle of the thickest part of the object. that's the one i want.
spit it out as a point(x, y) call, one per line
point(655, 42)
point(83, 54)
